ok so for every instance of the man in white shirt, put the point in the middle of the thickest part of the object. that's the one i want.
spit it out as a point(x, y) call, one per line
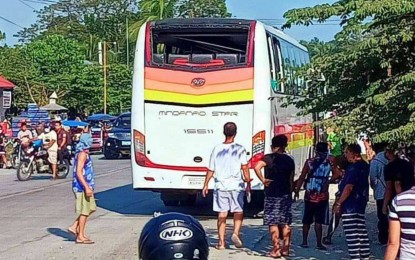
point(24, 134)
point(229, 168)
point(50, 142)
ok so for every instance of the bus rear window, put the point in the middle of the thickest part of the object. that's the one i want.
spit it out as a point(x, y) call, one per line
point(199, 48)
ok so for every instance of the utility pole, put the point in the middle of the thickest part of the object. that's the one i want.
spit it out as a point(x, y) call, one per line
point(128, 44)
point(105, 75)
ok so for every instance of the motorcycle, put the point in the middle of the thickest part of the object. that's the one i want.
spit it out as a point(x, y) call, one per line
point(16, 155)
point(35, 159)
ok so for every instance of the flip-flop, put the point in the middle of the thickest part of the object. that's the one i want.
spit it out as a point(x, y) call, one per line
point(236, 241)
point(273, 256)
point(86, 242)
point(218, 247)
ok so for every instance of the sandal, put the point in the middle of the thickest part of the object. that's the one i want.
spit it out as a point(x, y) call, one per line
point(236, 241)
point(272, 255)
point(86, 242)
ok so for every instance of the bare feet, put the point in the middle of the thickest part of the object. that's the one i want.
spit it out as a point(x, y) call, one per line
point(220, 247)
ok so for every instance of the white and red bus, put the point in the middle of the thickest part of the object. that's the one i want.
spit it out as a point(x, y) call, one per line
point(191, 76)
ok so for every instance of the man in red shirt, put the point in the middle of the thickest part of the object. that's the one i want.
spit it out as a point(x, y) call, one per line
point(62, 140)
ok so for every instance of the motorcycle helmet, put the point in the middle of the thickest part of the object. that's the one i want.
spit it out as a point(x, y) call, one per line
point(173, 236)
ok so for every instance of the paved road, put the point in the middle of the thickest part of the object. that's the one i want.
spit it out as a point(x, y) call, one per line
point(34, 216)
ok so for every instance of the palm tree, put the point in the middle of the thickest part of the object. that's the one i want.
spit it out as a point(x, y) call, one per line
point(152, 10)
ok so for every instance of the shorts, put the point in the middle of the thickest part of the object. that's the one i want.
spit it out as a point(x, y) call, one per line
point(316, 212)
point(277, 210)
point(224, 201)
point(84, 205)
point(53, 157)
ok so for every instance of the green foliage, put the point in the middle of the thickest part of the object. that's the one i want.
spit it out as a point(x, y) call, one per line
point(369, 68)
point(151, 10)
point(202, 8)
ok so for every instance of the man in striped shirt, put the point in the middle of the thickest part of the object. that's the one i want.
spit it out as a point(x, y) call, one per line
point(402, 227)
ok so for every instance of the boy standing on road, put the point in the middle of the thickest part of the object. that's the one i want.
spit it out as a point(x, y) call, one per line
point(83, 186)
point(226, 162)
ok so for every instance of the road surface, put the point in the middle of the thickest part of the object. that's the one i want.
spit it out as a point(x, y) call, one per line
point(34, 216)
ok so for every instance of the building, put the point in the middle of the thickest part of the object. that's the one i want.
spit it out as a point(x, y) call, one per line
point(6, 88)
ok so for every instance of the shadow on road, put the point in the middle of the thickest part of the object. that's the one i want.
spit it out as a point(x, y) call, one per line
point(67, 236)
point(125, 200)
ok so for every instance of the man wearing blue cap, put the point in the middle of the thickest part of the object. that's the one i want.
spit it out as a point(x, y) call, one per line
point(83, 187)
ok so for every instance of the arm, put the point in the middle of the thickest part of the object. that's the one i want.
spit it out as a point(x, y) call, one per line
point(394, 240)
point(388, 196)
point(209, 175)
point(301, 179)
point(80, 174)
point(258, 170)
point(394, 233)
point(398, 187)
point(63, 142)
point(343, 197)
point(247, 175)
point(373, 173)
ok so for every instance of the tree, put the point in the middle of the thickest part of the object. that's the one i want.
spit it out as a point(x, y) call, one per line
point(85, 21)
point(202, 8)
point(369, 68)
point(2, 36)
point(151, 10)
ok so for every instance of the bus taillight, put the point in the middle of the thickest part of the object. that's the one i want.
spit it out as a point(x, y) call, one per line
point(139, 148)
point(258, 148)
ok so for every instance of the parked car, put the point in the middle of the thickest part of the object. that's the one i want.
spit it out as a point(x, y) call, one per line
point(118, 142)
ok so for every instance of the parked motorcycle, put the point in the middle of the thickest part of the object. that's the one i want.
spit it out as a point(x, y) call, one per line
point(35, 159)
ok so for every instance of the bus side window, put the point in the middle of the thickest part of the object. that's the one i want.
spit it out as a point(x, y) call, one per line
point(275, 64)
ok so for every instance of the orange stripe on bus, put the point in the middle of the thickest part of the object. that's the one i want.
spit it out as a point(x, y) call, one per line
point(215, 81)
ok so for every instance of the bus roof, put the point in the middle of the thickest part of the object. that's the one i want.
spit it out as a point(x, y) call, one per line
point(226, 22)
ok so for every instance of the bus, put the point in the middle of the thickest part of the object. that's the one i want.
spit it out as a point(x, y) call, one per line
point(191, 76)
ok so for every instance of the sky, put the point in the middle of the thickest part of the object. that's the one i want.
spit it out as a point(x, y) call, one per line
point(20, 13)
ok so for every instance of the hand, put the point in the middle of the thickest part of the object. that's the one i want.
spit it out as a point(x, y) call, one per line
point(385, 210)
point(205, 191)
point(88, 192)
point(267, 182)
point(296, 195)
point(248, 187)
point(336, 208)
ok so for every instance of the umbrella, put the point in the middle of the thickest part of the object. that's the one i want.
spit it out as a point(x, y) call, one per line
point(101, 117)
point(53, 107)
point(73, 123)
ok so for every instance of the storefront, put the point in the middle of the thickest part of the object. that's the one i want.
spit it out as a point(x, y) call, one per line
point(6, 88)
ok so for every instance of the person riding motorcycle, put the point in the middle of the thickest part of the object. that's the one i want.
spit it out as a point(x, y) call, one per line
point(49, 138)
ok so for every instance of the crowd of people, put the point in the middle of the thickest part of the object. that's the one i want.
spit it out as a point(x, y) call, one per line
point(388, 172)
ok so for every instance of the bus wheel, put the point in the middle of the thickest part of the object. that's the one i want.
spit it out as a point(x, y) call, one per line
point(171, 203)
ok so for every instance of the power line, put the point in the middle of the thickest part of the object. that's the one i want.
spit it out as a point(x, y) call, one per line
point(7, 20)
point(26, 4)
point(43, 2)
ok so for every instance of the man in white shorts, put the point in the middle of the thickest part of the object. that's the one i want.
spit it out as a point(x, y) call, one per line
point(229, 168)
